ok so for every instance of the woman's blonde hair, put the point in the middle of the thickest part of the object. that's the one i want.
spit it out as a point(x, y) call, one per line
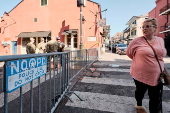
point(153, 20)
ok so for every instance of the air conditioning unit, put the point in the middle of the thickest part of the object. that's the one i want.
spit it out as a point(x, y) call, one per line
point(5, 43)
point(8, 42)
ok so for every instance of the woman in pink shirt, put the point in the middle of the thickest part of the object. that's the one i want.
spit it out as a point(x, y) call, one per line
point(144, 68)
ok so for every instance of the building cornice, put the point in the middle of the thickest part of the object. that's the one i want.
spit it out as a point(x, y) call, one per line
point(15, 6)
point(93, 2)
point(157, 1)
point(132, 20)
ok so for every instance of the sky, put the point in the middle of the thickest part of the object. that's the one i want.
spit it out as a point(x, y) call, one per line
point(118, 13)
point(121, 11)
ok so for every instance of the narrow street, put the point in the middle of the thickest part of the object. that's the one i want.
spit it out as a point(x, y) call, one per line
point(112, 91)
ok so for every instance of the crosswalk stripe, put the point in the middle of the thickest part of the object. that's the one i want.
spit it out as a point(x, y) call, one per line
point(112, 81)
point(109, 102)
point(106, 102)
point(113, 69)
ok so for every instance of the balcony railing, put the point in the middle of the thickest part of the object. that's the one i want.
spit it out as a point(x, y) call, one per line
point(132, 36)
point(165, 27)
point(133, 25)
point(127, 30)
point(165, 8)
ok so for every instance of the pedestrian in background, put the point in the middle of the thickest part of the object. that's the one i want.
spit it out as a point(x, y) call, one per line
point(52, 46)
point(30, 48)
point(144, 68)
point(61, 45)
point(41, 46)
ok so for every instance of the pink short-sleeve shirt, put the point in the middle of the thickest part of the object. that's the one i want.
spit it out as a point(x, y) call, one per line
point(144, 67)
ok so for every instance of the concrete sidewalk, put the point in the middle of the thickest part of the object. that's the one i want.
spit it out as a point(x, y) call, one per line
point(111, 92)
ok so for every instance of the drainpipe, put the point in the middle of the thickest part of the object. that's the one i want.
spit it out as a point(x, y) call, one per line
point(167, 8)
point(81, 43)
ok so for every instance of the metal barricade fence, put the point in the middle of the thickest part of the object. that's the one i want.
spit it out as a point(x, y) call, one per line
point(92, 55)
point(36, 83)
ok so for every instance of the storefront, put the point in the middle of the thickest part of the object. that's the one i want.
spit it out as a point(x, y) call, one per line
point(25, 38)
point(71, 40)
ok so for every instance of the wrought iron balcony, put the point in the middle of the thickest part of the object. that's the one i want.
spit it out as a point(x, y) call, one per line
point(165, 9)
point(133, 25)
point(132, 36)
point(165, 28)
point(127, 30)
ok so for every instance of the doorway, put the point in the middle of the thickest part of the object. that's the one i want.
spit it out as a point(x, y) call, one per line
point(14, 47)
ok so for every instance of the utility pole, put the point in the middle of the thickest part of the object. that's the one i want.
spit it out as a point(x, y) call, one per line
point(81, 3)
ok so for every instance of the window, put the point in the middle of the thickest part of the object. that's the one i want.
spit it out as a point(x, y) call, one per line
point(75, 42)
point(43, 2)
point(134, 22)
point(69, 42)
point(133, 33)
point(35, 19)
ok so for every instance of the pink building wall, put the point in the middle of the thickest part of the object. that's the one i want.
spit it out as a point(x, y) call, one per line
point(57, 16)
point(155, 14)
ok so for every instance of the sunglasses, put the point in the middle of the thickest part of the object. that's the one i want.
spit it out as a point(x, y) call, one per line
point(147, 26)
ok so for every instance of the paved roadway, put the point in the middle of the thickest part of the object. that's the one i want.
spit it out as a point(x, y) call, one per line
point(112, 91)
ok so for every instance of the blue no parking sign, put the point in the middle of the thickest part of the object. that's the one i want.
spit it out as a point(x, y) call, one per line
point(21, 72)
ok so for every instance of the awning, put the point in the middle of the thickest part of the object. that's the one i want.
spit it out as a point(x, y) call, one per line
point(35, 34)
point(70, 32)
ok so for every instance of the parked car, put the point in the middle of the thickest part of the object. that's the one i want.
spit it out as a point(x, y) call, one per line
point(121, 49)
